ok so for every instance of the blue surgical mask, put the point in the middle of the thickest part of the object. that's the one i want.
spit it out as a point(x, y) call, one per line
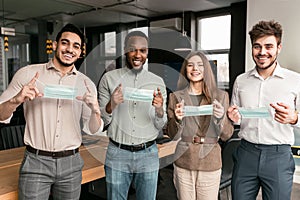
point(198, 110)
point(259, 112)
point(60, 92)
point(134, 94)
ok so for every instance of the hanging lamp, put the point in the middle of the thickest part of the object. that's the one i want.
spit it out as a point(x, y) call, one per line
point(183, 43)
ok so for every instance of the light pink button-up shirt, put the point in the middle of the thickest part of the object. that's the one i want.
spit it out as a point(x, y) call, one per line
point(52, 124)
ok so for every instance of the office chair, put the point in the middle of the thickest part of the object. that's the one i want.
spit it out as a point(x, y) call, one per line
point(11, 136)
point(227, 164)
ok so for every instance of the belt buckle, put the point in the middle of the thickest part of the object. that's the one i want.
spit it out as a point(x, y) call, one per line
point(196, 138)
point(54, 155)
point(132, 148)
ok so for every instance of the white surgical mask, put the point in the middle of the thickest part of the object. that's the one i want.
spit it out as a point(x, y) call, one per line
point(60, 92)
point(134, 94)
point(198, 110)
point(259, 112)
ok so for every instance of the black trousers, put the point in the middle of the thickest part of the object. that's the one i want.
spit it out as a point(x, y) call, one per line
point(270, 167)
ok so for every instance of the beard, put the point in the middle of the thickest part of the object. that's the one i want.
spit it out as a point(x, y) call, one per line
point(268, 66)
point(61, 62)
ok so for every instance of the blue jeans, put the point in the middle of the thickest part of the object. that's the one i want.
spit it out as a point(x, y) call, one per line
point(123, 168)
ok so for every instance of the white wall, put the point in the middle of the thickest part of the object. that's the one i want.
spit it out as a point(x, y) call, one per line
point(287, 13)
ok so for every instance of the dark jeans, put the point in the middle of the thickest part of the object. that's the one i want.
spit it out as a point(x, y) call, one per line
point(270, 167)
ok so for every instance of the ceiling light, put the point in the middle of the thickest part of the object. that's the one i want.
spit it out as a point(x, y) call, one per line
point(183, 43)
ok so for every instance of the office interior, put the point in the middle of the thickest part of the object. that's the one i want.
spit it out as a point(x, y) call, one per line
point(28, 28)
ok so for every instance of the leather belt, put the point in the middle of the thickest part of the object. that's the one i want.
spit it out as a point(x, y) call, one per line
point(58, 154)
point(195, 139)
point(133, 148)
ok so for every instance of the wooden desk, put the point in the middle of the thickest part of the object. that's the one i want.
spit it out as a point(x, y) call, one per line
point(92, 152)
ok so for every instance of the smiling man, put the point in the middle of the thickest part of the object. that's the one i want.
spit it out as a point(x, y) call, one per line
point(53, 114)
point(264, 158)
point(134, 122)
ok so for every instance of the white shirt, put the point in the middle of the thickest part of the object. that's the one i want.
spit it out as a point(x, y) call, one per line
point(251, 90)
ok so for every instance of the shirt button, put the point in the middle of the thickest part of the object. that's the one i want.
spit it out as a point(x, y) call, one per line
point(57, 135)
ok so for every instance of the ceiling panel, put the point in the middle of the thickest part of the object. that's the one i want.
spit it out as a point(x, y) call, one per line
point(19, 11)
point(98, 12)
point(102, 3)
point(100, 18)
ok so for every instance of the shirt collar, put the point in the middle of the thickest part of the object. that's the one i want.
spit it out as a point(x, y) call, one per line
point(138, 73)
point(50, 65)
point(277, 72)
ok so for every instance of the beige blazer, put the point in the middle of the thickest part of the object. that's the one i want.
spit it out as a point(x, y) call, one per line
point(207, 156)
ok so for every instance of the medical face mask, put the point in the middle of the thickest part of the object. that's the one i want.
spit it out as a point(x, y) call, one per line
point(60, 92)
point(261, 112)
point(198, 110)
point(134, 94)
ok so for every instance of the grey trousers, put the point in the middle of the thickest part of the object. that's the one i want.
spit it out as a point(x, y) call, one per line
point(270, 167)
point(40, 175)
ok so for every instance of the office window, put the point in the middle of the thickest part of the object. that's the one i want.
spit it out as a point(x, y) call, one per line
point(107, 50)
point(110, 43)
point(214, 39)
point(17, 56)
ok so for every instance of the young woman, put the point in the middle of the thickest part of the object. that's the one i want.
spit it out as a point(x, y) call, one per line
point(197, 168)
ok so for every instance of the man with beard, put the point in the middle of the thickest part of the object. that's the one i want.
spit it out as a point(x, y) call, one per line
point(56, 97)
point(264, 158)
point(132, 103)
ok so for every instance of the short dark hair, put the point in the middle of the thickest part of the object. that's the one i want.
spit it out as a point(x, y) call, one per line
point(73, 29)
point(266, 28)
point(133, 34)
